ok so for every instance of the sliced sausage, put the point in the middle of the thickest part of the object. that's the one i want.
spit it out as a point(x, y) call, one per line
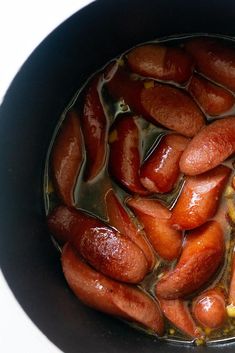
point(120, 219)
point(67, 157)
point(154, 217)
point(199, 198)
point(111, 297)
point(210, 147)
point(202, 254)
point(161, 62)
point(160, 172)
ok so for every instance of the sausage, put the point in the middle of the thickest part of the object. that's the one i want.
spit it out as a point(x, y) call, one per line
point(94, 128)
point(120, 85)
point(107, 250)
point(213, 99)
point(154, 217)
point(201, 256)
point(120, 219)
point(160, 172)
point(67, 157)
point(172, 108)
point(64, 223)
point(158, 61)
point(177, 312)
point(209, 308)
point(199, 198)
point(124, 159)
point(109, 296)
point(210, 147)
point(214, 59)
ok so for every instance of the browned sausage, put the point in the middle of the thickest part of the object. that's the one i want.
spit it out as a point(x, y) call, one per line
point(124, 159)
point(177, 312)
point(161, 62)
point(67, 157)
point(94, 128)
point(213, 99)
point(155, 219)
point(172, 108)
point(160, 171)
point(104, 294)
point(201, 256)
point(210, 147)
point(199, 198)
point(209, 308)
point(214, 59)
point(120, 219)
point(107, 250)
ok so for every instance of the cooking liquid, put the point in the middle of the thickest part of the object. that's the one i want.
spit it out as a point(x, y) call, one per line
point(89, 196)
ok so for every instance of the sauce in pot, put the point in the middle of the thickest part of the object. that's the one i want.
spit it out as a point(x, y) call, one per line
point(139, 183)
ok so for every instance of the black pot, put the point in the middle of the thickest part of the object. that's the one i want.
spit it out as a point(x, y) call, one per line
point(29, 113)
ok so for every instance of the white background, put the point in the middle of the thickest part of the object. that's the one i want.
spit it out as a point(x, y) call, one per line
point(23, 25)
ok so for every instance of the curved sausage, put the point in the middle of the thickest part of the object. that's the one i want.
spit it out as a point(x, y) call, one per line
point(104, 294)
point(172, 108)
point(67, 157)
point(213, 99)
point(94, 128)
point(210, 147)
point(121, 86)
point(199, 198)
point(160, 172)
point(177, 312)
point(107, 250)
point(124, 158)
point(120, 219)
point(209, 308)
point(161, 62)
point(202, 254)
point(154, 217)
point(214, 59)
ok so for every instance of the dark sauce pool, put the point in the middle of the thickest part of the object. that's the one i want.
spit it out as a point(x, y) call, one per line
point(89, 196)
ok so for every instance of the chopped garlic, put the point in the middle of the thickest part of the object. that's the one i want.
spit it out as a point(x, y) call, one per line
point(230, 310)
point(113, 136)
point(171, 331)
point(49, 188)
point(229, 192)
point(231, 210)
point(199, 341)
point(120, 62)
point(207, 331)
point(149, 84)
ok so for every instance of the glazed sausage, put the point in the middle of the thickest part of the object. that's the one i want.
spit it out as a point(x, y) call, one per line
point(154, 217)
point(210, 147)
point(104, 294)
point(213, 99)
point(120, 85)
point(67, 157)
point(209, 308)
point(94, 128)
point(172, 108)
point(177, 312)
point(120, 219)
point(199, 198)
point(214, 59)
point(201, 256)
point(107, 250)
point(161, 62)
point(160, 172)
point(124, 159)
